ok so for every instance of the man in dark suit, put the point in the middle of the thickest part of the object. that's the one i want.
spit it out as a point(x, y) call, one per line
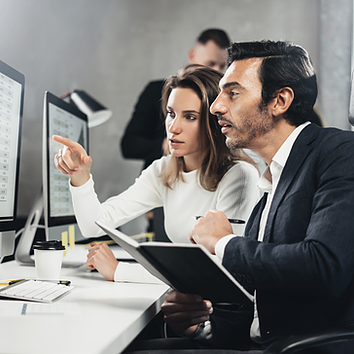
point(297, 254)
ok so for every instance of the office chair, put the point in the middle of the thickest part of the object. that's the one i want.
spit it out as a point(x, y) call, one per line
point(292, 344)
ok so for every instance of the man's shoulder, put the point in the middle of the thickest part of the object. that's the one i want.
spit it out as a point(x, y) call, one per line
point(153, 91)
point(155, 85)
point(323, 146)
point(329, 137)
point(334, 137)
point(328, 147)
point(158, 82)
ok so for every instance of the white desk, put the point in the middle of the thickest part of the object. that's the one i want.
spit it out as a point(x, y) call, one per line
point(110, 315)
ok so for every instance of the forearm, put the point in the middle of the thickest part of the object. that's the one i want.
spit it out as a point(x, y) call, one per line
point(142, 196)
point(86, 207)
point(305, 268)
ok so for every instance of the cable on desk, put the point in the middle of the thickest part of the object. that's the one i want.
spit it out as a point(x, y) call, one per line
point(19, 232)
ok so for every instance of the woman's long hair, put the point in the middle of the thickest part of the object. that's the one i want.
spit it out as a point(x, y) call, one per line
point(217, 158)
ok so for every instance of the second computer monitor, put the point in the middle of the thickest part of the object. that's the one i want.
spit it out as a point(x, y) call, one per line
point(59, 118)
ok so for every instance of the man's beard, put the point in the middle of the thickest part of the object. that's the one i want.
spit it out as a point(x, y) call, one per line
point(253, 126)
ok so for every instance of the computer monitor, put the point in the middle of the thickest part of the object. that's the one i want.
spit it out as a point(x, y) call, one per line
point(59, 118)
point(54, 201)
point(11, 110)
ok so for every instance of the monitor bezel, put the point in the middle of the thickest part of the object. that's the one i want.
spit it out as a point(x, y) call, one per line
point(5, 224)
point(50, 98)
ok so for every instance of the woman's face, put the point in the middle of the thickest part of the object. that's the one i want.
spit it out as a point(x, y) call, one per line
point(183, 126)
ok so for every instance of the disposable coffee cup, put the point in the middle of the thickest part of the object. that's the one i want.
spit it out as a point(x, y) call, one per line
point(48, 257)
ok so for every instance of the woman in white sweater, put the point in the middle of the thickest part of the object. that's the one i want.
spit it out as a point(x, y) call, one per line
point(199, 173)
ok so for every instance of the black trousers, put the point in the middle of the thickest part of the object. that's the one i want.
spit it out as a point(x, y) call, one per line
point(179, 346)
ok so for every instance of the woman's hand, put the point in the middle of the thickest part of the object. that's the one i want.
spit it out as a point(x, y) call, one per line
point(101, 257)
point(73, 160)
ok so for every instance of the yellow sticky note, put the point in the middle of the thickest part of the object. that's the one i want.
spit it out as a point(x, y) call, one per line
point(72, 236)
point(64, 240)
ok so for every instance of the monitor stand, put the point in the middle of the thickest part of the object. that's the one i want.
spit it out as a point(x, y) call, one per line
point(24, 246)
point(23, 249)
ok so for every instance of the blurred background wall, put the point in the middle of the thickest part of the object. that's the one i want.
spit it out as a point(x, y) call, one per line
point(112, 48)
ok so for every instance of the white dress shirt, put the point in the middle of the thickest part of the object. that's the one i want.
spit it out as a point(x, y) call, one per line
point(267, 184)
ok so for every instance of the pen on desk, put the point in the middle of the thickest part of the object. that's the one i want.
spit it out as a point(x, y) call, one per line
point(10, 282)
point(60, 282)
point(64, 282)
point(232, 221)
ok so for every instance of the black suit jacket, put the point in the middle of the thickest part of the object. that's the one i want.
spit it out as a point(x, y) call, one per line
point(145, 131)
point(303, 271)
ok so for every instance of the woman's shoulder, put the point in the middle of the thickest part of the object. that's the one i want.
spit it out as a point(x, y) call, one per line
point(159, 165)
point(240, 178)
point(241, 173)
point(243, 168)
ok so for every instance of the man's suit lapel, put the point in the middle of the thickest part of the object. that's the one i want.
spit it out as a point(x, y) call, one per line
point(252, 226)
point(298, 154)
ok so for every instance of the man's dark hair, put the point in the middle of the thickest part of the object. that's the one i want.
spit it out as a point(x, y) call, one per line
point(284, 65)
point(217, 35)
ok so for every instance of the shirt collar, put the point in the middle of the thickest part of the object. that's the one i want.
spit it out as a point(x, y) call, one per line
point(271, 175)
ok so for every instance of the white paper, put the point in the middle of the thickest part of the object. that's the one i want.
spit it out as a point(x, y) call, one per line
point(14, 309)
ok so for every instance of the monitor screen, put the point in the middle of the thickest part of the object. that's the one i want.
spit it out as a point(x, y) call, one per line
point(11, 110)
point(60, 118)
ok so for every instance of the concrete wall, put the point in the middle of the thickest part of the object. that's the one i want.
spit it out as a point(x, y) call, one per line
point(335, 38)
point(111, 48)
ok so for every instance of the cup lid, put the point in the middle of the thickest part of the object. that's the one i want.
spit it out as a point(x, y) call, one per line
point(48, 245)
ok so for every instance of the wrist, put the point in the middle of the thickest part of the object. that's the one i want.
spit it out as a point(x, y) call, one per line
point(198, 331)
point(78, 179)
point(113, 271)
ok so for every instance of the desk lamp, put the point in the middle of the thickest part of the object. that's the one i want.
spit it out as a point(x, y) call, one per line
point(96, 114)
point(95, 111)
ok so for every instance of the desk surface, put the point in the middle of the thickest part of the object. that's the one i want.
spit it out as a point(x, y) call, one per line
point(108, 315)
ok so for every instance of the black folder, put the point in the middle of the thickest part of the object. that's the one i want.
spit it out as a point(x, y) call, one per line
point(187, 268)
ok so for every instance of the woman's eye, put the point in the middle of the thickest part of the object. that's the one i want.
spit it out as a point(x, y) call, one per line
point(191, 117)
point(170, 114)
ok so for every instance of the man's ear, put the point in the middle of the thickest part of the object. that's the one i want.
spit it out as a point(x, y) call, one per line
point(282, 101)
point(191, 56)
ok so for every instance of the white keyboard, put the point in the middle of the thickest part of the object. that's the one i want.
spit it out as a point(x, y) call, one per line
point(36, 290)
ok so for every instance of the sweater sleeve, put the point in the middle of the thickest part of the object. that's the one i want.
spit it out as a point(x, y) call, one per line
point(86, 207)
point(238, 194)
point(144, 195)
